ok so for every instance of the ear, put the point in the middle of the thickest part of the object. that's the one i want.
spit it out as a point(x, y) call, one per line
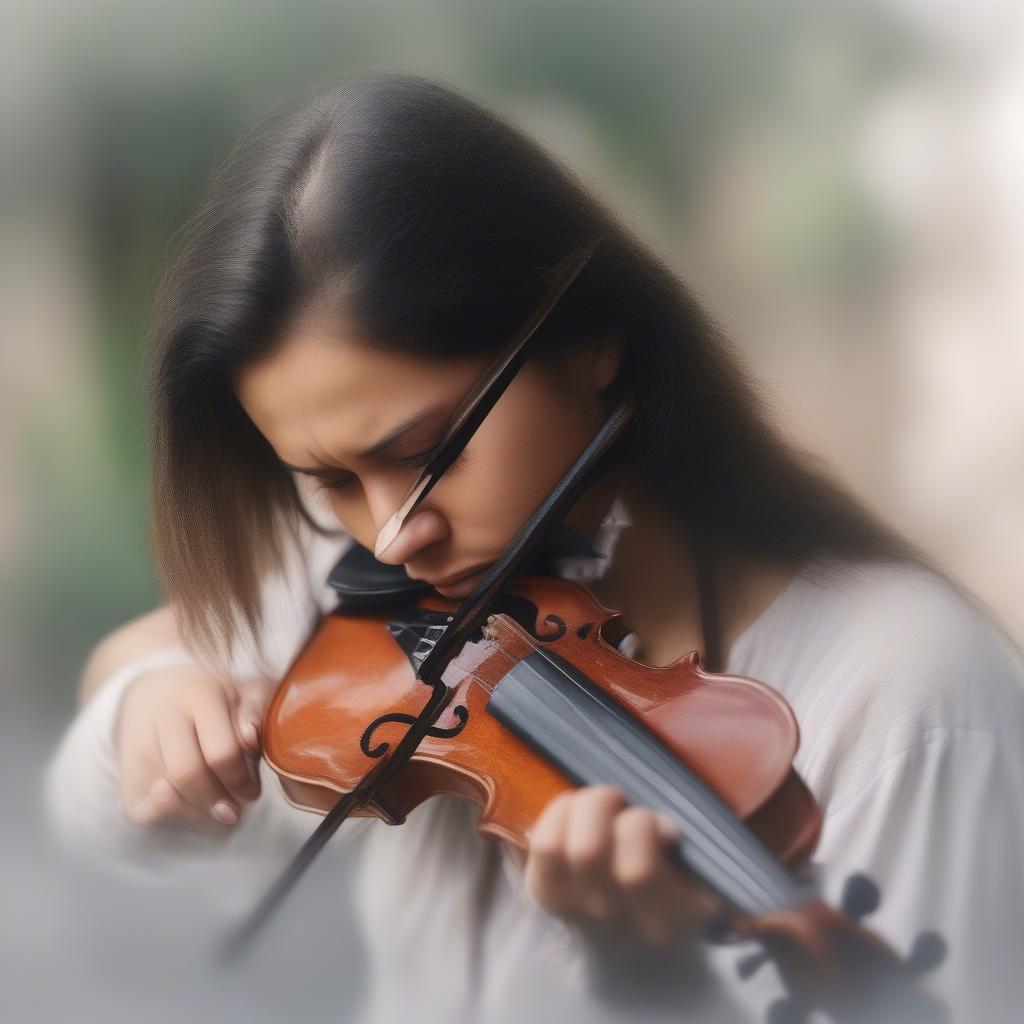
point(606, 358)
point(591, 367)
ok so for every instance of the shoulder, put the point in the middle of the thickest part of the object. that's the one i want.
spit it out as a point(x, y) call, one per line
point(923, 640)
point(899, 658)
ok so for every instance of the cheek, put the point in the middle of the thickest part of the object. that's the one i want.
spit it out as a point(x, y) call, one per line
point(514, 462)
point(526, 444)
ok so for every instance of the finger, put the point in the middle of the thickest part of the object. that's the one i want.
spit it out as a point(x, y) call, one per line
point(692, 903)
point(162, 804)
point(140, 764)
point(186, 769)
point(589, 843)
point(642, 870)
point(253, 697)
point(248, 729)
point(668, 829)
point(547, 874)
point(221, 749)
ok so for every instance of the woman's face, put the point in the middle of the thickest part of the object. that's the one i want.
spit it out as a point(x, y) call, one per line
point(360, 423)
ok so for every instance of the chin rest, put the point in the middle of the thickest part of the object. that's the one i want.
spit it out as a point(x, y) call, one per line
point(361, 582)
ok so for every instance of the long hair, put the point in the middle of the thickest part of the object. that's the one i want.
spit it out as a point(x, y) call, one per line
point(435, 224)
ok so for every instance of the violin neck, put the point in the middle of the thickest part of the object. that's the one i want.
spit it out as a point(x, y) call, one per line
point(553, 708)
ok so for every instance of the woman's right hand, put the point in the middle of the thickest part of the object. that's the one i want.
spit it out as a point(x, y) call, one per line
point(188, 748)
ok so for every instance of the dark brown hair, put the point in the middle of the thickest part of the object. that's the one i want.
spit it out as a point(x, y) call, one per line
point(436, 225)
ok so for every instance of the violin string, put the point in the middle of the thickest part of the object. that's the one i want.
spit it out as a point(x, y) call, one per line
point(746, 869)
point(754, 864)
point(758, 868)
point(700, 823)
point(752, 876)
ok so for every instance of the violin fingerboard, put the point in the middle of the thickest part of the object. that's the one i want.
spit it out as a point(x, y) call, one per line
point(561, 714)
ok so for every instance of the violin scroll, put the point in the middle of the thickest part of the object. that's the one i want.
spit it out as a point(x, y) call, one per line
point(829, 962)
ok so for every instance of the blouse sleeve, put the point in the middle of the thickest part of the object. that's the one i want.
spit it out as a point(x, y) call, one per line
point(81, 784)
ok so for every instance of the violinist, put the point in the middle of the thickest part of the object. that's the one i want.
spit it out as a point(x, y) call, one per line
point(346, 281)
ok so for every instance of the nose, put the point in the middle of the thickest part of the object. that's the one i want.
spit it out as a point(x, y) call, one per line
point(424, 527)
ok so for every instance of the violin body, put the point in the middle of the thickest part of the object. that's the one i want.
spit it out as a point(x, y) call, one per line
point(737, 735)
point(353, 693)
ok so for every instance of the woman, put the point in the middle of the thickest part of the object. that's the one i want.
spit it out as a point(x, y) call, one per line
point(351, 272)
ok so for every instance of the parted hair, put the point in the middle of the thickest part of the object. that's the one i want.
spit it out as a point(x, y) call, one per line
point(436, 225)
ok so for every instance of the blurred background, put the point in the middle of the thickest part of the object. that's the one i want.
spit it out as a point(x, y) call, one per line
point(839, 183)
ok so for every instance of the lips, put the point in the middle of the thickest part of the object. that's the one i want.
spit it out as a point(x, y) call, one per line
point(464, 587)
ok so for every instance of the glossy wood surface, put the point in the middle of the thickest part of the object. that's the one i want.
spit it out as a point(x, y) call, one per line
point(737, 734)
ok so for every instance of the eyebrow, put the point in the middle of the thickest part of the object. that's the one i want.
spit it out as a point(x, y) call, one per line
point(379, 447)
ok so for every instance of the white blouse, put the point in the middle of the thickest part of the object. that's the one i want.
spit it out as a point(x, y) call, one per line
point(910, 703)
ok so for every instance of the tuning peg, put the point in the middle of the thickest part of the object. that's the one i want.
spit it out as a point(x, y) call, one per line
point(860, 896)
point(928, 951)
point(751, 964)
point(786, 1011)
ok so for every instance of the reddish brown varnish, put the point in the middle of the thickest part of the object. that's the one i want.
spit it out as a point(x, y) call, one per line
point(737, 734)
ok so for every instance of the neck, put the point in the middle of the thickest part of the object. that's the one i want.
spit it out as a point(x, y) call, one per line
point(652, 578)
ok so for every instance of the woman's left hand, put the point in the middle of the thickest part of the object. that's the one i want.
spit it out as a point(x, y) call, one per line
point(598, 862)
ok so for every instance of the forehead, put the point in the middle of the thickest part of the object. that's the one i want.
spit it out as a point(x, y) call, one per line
point(327, 393)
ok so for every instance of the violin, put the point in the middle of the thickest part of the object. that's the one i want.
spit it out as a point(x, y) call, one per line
point(544, 701)
point(520, 692)
point(541, 702)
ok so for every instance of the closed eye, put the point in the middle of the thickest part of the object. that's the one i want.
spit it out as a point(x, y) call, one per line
point(346, 480)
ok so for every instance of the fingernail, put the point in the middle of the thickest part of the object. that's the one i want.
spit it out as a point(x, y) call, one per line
point(224, 813)
point(668, 827)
